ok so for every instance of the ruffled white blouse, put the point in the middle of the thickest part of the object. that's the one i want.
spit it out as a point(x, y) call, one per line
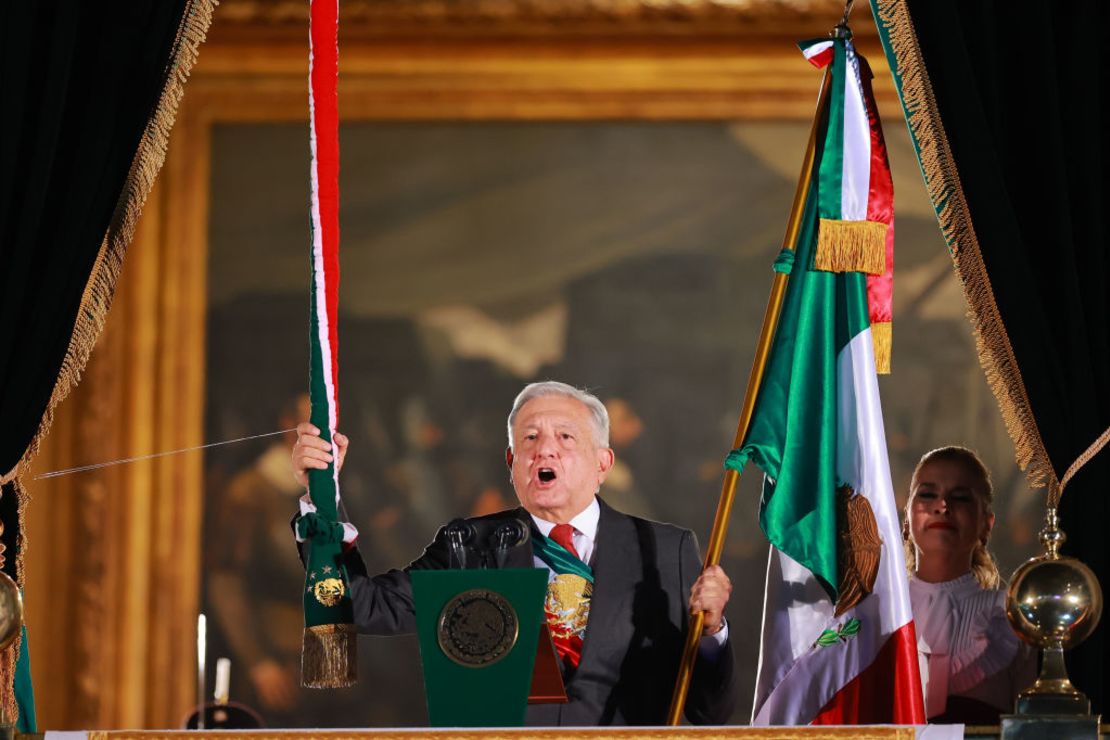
point(965, 645)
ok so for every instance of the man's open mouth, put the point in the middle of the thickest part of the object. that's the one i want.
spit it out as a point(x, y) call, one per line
point(546, 475)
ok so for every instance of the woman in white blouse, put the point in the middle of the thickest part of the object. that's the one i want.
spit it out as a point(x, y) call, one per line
point(972, 663)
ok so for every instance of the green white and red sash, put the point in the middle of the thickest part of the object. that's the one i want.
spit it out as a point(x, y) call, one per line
point(328, 657)
point(856, 207)
point(832, 651)
point(569, 594)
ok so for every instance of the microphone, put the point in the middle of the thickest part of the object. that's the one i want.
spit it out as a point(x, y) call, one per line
point(460, 534)
point(508, 534)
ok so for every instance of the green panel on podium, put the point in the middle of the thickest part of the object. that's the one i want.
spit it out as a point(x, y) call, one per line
point(478, 631)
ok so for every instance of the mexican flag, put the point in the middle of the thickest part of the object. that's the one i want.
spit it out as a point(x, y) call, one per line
point(838, 642)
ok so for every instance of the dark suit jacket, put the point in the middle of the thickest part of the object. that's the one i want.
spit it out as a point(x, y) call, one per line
point(643, 572)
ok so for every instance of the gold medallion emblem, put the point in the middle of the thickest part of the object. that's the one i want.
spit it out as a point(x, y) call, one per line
point(568, 605)
point(477, 628)
point(329, 591)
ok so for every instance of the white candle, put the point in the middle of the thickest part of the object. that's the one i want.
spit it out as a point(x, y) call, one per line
point(202, 639)
point(223, 680)
point(202, 635)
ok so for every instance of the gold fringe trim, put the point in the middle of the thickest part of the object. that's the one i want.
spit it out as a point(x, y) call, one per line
point(148, 160)
point(996, 354)
point(882, 337)
point(851, 246)
point(329, 656)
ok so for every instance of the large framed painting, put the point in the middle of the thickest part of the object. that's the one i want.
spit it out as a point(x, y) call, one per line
point(582, 190)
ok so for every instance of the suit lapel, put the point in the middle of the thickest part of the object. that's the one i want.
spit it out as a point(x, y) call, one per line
point(616, 566)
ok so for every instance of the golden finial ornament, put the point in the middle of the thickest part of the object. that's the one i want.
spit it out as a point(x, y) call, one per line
point(11, 604)
point(1054, 602)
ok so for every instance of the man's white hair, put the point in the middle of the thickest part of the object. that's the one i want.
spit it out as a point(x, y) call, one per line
point(599, 417)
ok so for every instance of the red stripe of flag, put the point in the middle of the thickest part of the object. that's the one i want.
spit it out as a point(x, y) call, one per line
point(880, 204)
point(886, 692)
point(818, 52)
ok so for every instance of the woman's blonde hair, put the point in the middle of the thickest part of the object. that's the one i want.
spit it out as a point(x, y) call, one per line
point(983, 565)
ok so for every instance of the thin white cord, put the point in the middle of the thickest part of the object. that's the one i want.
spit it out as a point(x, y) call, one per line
point(97, 466)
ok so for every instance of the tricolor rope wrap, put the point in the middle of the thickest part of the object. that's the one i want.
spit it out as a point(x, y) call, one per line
point(328, 658)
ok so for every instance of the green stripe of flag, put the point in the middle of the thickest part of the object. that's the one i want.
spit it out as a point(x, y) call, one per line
point(831, 171)
point(793, 433)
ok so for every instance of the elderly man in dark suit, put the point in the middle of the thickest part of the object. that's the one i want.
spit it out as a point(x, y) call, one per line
point(620, 588)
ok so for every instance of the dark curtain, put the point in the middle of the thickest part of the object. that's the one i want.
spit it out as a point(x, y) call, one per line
point(79, 82)
point(88, 95)
point(1019, 91)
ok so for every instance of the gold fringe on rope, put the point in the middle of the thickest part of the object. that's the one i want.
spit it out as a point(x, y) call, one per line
point(329, 656)
point(996, 355)
point(97, 298)
point(881, 340)
point(851, 246)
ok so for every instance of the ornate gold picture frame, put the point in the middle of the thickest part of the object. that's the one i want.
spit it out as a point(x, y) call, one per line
point(120, 549)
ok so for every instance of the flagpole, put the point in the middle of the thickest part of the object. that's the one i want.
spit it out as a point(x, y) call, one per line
point(762, 352)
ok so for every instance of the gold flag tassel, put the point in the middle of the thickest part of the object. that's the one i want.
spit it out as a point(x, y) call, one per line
point(881, 340)
point(329, 656)
point(851, 246)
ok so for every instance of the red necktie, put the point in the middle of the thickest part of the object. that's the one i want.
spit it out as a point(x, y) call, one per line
point(563, 534)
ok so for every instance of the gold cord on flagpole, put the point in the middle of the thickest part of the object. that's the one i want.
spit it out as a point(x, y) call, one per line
point(762, 352)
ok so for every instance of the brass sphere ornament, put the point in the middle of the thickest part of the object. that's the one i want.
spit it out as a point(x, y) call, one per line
point(11, 606)
point(1054, 603)
point(11, 610)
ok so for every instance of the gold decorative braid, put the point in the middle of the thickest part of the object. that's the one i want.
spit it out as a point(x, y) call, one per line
point(887, 732)
point(996, 354)
point(1055, 492)
point(148, 160)
point(97, 298)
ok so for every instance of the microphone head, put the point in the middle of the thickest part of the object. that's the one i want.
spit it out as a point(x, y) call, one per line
point(509, 533)
point(461, 531)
